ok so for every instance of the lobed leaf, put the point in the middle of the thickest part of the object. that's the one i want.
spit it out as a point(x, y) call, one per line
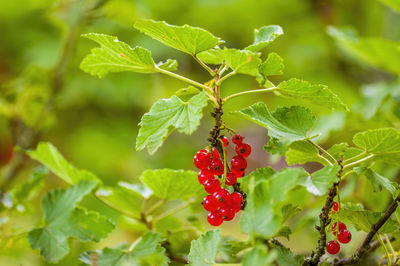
point(320, 181)
point(259, 255)
point(301, 152)
point(378, 181)
point(263, 36)
point(273, 65)
point(379, 141)
point(204, 249)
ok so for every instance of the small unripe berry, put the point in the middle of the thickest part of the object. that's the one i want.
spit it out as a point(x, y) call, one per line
point(333, 247)
point(212, 185)
point(344, 236)
point(243, 149)
point(237, 139)
point(214, 218)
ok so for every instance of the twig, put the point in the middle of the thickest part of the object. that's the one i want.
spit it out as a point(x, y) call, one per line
point(322, 150)
point(247, 92)
point(366, 246)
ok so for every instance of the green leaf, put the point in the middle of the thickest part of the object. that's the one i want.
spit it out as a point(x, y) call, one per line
point(275, 146)
point(204, 249)
point(363, 220)
point(49, 156)
point(377, 181)
point(191, 40)
point(186, 93)
point(383, 141)
point(147, 251)
point(273, 65)
point(343, 150)
point(285, 123)
point(215, 56)
point(318, 94)
point(166, 115)
point(170, 65)
point(64, 220)
point(287, 257)
point(122, 198)
point(116, 56)
point(25, 191)
point(301, 152)
point(172, 184)
point(320, 181)
point(259, 255)
point(394, 4)
point(263, 36)
point(372, 51)
point(230, 248)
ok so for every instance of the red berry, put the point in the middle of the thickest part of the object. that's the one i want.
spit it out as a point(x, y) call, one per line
point(344, 236)
point(239, 163)
point(236, 197)
point(202, 160)
point(333, 247)
point(203, 151)
point(217, 166)
point(236, 206)
point(230, 178)
point(237, 139)
point(212, 185)
point(237, 173)
point(222, 196)
point(204, 175)
point(225, 141)
point(243, 149)
point(342, 227)
point(214, 218)
point(215, 153)
point(335, 206)
point(210, 203)
point(227, 214)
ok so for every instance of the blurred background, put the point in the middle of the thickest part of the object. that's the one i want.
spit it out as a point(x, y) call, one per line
point(94, 122)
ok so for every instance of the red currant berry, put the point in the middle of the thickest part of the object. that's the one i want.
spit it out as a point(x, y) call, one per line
point(236, 197)
point(243, 149)
point(227, 214)
point(237, 139)
point(230, 178)
point(335, 206)
point(203, 151)
point(212, 185)
point(204, 175)
point(215, 153)
point(344, 236)
point(202, 160)
point(216, 166)
point(333, 247)
point(225, 141)
point(236, 206)
point(214, 218)
point(237, 173)
point(210, 203)
point(222, 196)
point(342, 227)
point(239, 163)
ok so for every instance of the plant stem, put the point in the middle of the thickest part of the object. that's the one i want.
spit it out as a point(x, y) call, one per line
point(322, 150)
point(385, 249)
point(155, 206)
point(230, 74)
point(359, 161)
point(114, 208)
point(326, 160)
point(172, 211)
point(348, 173)
point(247, 92)
point(185, 79)
point(354, 157)
point(212, 73)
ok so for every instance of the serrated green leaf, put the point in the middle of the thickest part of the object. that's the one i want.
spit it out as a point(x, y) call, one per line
point(287, 257)
point(191, 40)
point(215, 56)
point(394, 4)
point(146, 252)
point(260, 174)
point(273, 65)
point(186, 93)
point(64, 220)
point(317, 94)
point(285, 232)
point(26, 190)
point(204, 249)
point(379, 141)
point(230, 248)
point(166, 115)
point(301, 152)
point(285, 123)
point(49, 156)
point(259, 255)
point(116, 56)
point(320, 181)
point(172, 184)
point(170, 65)
point(276, 146)
point(363, 220)
point(263, 36)
point(343, 150)
point(378, 181)
point(376, 52)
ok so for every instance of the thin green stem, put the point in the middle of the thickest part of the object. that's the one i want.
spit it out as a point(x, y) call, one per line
point(386, 251)
point(326, 160)
point(155, 206)
point(212, 73)
point(359, 161)
point(172, 211)
point(323, 150)
point(354, 157)
point(221, 70)
point(230, 74)
point(247, 92)
point(225, 168)
point(348, 173)
point(115, 208)
point(131, 247)
point(391, 248)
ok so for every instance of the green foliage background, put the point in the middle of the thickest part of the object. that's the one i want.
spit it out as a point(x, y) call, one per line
point(95, 126)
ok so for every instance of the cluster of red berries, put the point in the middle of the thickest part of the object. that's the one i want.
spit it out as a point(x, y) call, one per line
point(221, 204)
point(340, 232)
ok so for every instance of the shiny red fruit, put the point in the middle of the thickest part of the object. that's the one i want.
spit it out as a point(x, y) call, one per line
point(210, 203)
point(333, 247)
point(237, 173)
point(236, 197)
point(222, 196)
point(237, 139)
point(216, 166)
point(227, 214)
point(335, 206)
point(236, 206)
point(344, 236)
point(243, 149)
point(214, 218)
point(203, 175)
point(238, 163)
point(225, 141)
point(230, 178)
point(203, 151)
point(212, 185)
point(342, 227)
point(202, 160)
